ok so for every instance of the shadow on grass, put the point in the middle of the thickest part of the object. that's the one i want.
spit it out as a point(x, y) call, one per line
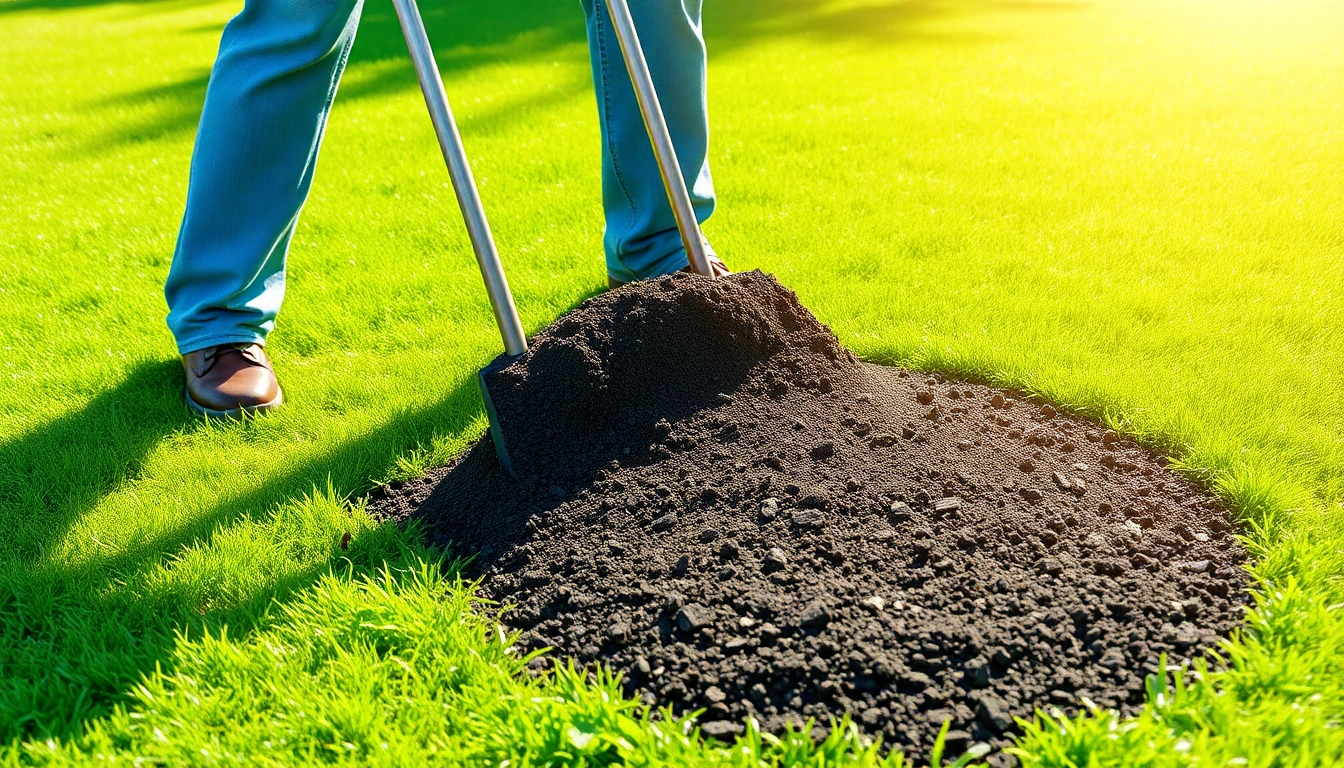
point(173, 110)
point(76, 637)
point(469, 34)
point(51, 475)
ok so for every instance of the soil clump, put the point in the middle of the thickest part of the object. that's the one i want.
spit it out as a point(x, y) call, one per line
point(721, 502)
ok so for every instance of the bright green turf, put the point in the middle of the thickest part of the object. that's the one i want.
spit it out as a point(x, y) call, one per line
point(1135, 209)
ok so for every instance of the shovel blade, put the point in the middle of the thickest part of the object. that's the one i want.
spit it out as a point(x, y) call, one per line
point(496, 431)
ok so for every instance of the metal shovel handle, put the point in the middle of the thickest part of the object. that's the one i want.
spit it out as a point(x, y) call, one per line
point(468, 199)
point(666, 154)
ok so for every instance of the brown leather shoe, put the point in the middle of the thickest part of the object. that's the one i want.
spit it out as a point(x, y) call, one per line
point(715, 263)
point(230, 380)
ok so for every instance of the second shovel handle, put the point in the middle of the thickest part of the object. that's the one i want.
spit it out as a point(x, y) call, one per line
point(464, 184)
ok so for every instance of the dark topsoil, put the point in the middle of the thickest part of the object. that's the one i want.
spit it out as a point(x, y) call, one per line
point(718, 500)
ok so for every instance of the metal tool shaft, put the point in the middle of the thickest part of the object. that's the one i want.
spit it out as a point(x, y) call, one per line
point(659, 137)
point(468, 199)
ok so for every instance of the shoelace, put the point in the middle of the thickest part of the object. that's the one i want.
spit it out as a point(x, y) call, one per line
point(212, 357)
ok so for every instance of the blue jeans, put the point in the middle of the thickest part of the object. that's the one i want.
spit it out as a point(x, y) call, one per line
point(265, 111)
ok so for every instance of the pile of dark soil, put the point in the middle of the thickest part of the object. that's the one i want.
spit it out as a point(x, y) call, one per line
point(720, 501)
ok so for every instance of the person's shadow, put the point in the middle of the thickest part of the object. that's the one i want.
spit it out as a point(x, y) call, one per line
point(81, 631)
point(52, 473)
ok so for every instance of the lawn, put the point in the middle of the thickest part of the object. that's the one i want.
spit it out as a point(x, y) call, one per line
point(1135, 209)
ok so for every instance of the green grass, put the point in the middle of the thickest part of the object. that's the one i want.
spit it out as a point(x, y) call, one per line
point(1134, 209)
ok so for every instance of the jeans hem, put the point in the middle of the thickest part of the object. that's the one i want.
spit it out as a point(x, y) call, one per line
point(216, 339)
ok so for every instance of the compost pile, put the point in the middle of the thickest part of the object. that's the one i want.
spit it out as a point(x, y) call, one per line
point(720, 502)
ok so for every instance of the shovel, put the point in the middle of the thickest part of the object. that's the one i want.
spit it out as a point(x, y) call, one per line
point(469, 200)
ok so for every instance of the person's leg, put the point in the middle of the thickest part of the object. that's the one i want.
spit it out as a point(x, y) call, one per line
point(641, 237)
point(265, 110)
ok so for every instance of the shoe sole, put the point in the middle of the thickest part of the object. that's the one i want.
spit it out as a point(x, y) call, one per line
point(235, 413)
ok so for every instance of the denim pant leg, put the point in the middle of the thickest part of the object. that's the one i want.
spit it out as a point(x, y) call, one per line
point(641, 238)
point(265, 111)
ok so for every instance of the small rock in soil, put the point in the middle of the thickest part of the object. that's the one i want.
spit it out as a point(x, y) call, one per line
point(693, 617)
point(723, 730)
point(769, 509)
point(816, 614)
point(947, 506)
point(993, 712)
point(899, 512)
point(808, 518)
